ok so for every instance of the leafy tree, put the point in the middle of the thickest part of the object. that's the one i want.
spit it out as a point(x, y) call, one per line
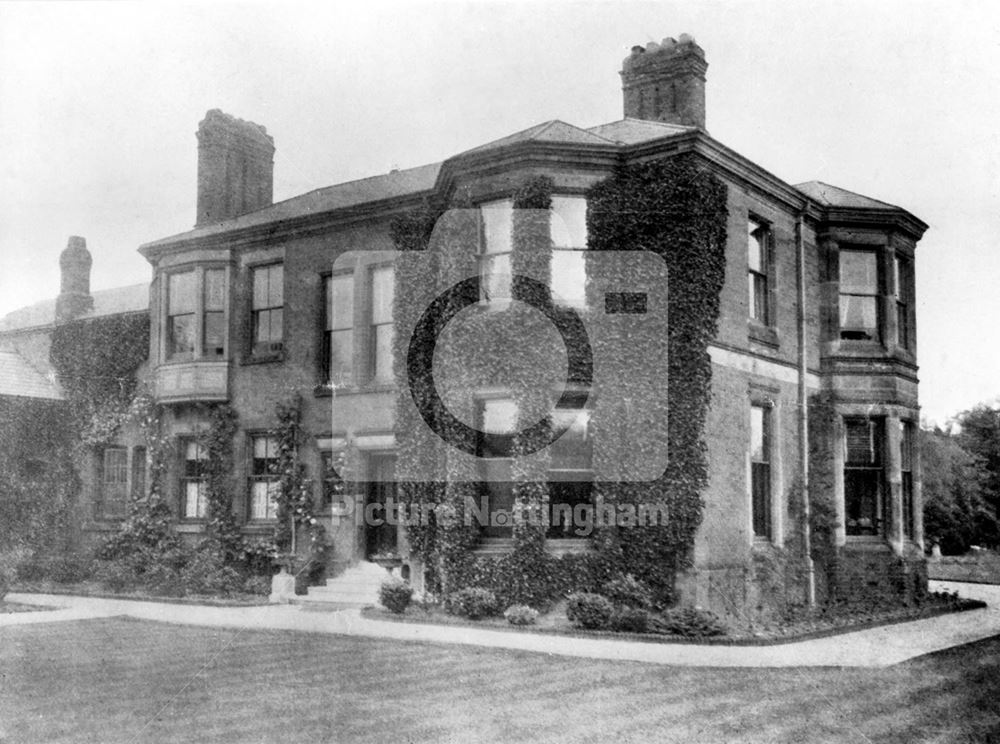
point(956, 511)
point(980, 436)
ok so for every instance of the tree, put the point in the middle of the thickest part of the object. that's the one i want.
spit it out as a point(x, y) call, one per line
point(956, 511)
point(980, 436)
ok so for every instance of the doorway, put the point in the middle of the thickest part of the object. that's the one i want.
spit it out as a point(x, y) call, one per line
point(380, 495)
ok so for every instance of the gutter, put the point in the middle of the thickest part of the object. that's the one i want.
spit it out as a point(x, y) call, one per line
point(803, 407)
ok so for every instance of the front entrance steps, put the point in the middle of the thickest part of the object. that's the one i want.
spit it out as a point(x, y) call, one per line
point(358, 586)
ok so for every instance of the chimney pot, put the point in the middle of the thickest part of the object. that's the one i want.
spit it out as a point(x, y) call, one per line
point(74, 281)
point(667, 83)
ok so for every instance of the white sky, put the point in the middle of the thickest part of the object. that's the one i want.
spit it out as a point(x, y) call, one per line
point(99, 103)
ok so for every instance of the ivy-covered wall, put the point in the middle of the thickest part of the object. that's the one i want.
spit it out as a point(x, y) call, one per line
point(671, 208)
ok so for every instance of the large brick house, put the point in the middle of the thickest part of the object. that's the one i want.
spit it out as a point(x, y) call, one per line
point(816, 322)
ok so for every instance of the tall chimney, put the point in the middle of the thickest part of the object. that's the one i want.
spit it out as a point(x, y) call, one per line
point(74, 286)
point(666, 82)
point(235, 167)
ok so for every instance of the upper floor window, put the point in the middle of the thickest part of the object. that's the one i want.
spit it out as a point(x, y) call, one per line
point(569, 241)
point(338, 336)
point(181, 313)
point(267, 309)
point(758, 260)
point(902, 275)
point(264, 478)
point(194, 501)
point(760, 469)
point(497, 220)
point(864, 476)
point(571, 472)
point(381, 337)
point(859, 288)
point(196, 314)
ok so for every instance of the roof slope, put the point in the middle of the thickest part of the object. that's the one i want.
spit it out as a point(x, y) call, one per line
point(130, 299)
point(633, 131)
point(834, 196)
point(548, 131)
point(352, 193)
point(18, 378)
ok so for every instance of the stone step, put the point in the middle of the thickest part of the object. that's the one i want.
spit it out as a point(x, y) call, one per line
point(356, 587)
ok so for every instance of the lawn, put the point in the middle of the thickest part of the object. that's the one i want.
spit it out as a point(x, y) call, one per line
point(110, 681)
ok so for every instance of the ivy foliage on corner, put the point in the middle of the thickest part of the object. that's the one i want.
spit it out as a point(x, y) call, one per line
point(671, 208)
point(97, 360)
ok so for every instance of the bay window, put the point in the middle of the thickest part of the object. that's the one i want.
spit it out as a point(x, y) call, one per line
point(569, 241)
point(760, 469)
point(859, 295)
point(196, 314)
point(497, 417)
point(864, 476)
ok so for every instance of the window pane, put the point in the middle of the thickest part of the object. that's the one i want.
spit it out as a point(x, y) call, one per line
point(215, 334)
point(276, 285)
point(264, 448)
point(569, 277)
point(497, 225)
point(569, 222)
point(862, 496)
point(759, 434)
point(495, 280)
point(194, 500)
point(859, 315)
point(574, 449)
point(276, 332)
point(340, 302)
point(341, 356)
point(215, 289)
point(181, 334)
point(563, 498)
point(260, 288)
point(180, 293)
point(383, 352)
point(758, 297)
point(382, 292)
point(863, 442)
point(858, 272)
point(760, 485)
point(906, 445)
point(499, 416)
point(263, 496)
point(757, 246)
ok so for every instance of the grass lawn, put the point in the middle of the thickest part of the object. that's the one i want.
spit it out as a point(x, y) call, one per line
point(110, 681)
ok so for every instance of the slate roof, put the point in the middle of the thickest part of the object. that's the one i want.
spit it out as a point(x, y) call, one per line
point(352, 193)
point(548, 131)
point(130, 299)
point(834, 196)
point(633, 131)
point(18, 378)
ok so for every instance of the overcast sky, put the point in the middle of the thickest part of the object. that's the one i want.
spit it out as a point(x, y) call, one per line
point(99, 104)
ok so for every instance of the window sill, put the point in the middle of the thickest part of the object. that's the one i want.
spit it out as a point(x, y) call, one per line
point(325, 391)
point(762, 334)
point(494, 546)
point(190, 525)
point(568, 545)
point(275, 358)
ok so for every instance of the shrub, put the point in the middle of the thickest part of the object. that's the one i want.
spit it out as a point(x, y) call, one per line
point(692, 622)
point(31, 568)
point(257, 585)
point(631, 620)
point(588, 610)
point(627, 591)
point(70, 569)
point(9, 561)
point(473, 603)
point(205, 573)
point(395, 595)
point(520, 615)
point(115, 576)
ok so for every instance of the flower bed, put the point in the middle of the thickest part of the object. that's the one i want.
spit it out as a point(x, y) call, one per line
point(816, 624)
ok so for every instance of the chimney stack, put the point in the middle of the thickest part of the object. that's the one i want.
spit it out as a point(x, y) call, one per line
point(666, 82)
point(235, 167)
point(74, 287)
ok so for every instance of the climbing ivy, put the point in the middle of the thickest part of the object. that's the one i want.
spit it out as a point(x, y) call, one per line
point(671, 208)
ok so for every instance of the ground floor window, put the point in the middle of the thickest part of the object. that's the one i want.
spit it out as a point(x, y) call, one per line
point(264, 478)
point(114, 482)
point(194, 503)
point(760, 469)
point(571, 472)
point(497, 420)
point(864, 476)
point(906, 468)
